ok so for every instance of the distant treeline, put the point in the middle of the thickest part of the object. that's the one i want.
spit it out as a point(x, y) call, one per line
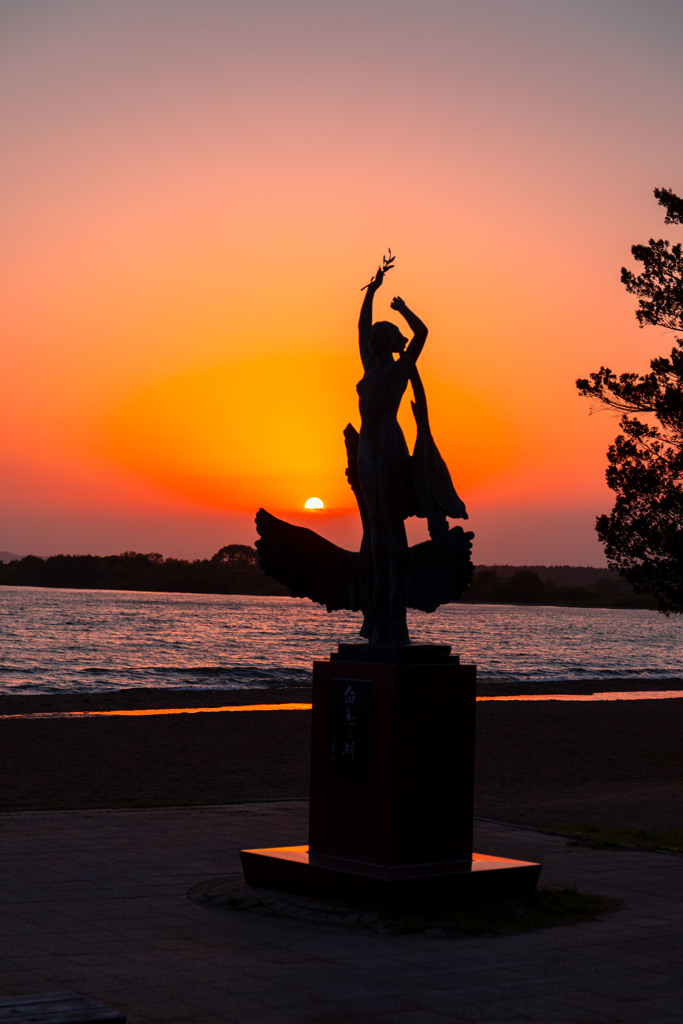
point(232, 570)
point(235, 570)
point(568, 585)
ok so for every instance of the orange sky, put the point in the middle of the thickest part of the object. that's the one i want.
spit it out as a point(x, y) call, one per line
point(195, 193)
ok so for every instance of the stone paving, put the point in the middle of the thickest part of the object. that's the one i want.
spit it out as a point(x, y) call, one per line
point(101, 903)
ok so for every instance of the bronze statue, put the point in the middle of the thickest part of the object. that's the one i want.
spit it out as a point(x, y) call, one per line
point(390, 485)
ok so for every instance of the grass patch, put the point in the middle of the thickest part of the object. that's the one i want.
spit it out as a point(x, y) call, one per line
point(593, 835)
point(545, 908)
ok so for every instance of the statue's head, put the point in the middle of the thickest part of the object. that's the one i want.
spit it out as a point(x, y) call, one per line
point(386, 337)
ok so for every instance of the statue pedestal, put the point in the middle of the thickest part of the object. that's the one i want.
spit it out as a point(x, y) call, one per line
point(392, 783)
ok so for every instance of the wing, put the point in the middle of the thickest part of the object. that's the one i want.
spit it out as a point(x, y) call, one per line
point(439, 570)
point(307, 564)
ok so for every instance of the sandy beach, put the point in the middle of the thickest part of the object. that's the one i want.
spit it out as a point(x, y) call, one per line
point(616, 763)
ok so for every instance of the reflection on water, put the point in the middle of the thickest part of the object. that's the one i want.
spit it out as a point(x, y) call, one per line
point(138, 712)
point(135, 713)
point(74, 641)
point(635, 695)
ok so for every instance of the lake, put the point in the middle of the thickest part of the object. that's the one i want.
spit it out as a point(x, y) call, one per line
point(96, 640)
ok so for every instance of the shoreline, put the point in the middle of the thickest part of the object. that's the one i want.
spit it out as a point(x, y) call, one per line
point(151, 697)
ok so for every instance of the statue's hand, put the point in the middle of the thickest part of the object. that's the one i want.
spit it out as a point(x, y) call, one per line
point(374, 282)
point(398, 304)
point(387, 264)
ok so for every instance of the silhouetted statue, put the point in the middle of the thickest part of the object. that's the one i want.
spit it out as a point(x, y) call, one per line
point(390, 485)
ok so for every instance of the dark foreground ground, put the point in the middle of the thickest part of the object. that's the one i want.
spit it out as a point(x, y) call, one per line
point(538, 763)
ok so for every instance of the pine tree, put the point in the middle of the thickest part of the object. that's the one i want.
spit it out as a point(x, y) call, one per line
point(643, 534)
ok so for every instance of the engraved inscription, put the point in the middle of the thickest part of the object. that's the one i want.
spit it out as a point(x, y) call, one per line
point(350, 727)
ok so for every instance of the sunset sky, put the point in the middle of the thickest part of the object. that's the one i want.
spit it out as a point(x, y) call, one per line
point(194, 192)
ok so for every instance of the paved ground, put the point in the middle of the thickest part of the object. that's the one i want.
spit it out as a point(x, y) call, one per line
point(97, 902)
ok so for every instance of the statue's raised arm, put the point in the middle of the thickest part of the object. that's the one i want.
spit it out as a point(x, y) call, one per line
point(417, 327)
point(365, 318)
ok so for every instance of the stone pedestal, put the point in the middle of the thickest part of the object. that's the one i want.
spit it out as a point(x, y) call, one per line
point(392, 761)
point(392, 784)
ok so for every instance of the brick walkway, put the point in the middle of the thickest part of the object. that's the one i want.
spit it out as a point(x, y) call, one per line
point(97, 902)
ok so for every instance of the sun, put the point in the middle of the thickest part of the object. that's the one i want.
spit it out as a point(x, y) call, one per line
point(314, 503)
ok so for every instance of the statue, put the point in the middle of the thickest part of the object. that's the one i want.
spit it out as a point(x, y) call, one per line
point(389, 484)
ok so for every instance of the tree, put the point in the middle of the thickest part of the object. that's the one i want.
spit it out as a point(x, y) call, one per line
point(527, 587)
point(237, 557)
point(643, 534)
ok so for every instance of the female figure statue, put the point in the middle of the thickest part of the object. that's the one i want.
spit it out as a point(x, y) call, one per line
point(383, 461)
point(390, 484)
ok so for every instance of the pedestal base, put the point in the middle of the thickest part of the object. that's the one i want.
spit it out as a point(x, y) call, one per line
point(398, 887)
point(392, 788)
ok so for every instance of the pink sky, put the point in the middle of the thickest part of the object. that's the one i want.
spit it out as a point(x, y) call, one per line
point(195, 193)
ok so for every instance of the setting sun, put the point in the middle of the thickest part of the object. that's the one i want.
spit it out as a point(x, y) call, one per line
point(314, 503)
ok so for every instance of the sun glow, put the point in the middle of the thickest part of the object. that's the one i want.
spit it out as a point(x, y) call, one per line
point(213, 437)
point(314, 503)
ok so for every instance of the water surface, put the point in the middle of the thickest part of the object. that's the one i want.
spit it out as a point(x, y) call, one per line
point(91, 641)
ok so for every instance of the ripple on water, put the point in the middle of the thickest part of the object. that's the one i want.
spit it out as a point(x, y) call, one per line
point(91, 641)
